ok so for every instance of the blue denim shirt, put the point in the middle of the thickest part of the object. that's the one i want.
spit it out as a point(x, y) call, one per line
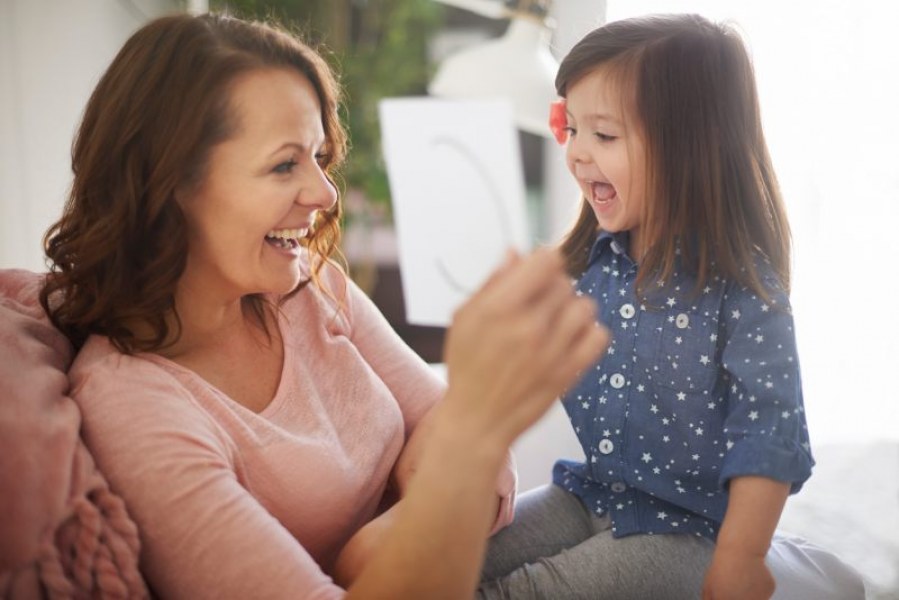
point(692, 392)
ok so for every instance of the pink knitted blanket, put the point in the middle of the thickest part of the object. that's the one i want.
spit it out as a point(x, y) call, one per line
point(63, 533)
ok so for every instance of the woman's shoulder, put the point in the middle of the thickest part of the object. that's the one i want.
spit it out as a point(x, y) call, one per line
point(101, 374)
point(98, 356)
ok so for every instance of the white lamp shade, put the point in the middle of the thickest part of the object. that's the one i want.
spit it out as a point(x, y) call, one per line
point(518, 66)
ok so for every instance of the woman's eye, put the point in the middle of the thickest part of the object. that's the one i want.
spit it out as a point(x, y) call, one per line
point(285, 167)
point(605, 138)
point(322, 158)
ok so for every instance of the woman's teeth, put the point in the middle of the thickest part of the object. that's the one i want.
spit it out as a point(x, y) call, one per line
point(285, 238)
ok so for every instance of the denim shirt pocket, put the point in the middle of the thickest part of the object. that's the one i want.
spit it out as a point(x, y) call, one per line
point(685, 357)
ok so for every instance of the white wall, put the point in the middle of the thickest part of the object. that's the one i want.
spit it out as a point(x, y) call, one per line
point(552, 438)
point(574, 19)
point(52, 52)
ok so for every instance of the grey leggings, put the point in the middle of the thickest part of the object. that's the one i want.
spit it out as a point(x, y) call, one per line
point(556, 549)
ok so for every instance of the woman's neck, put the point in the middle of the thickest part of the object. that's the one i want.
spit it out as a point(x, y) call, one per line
point(209, 321)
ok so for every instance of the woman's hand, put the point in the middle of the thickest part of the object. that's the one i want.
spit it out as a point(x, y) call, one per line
point(517, 344)
point(511, 350)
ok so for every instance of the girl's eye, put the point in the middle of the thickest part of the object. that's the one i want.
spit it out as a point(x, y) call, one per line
point(285, 167)
point(571, 131)
point(323, 158)
point(605, 138)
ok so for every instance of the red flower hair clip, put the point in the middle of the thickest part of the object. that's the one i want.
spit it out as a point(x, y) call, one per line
point(558, 121)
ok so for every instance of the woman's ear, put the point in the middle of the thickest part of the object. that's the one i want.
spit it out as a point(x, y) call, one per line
point(183, 193)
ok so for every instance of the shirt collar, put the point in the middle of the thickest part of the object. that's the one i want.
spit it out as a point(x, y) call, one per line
point(617, 242)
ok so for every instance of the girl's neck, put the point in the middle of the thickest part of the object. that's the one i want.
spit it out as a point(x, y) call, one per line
point(635, 244)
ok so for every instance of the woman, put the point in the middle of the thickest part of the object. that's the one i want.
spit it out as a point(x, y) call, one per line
point(242, 395)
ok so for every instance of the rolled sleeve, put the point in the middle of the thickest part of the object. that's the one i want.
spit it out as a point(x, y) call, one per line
point(765, 425)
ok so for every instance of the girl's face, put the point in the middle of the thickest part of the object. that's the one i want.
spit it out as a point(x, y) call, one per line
point(606, 155)
point(262, 189)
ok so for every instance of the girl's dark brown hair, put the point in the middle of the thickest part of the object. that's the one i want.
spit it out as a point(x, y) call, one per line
point(118, 250)
point(711, 191)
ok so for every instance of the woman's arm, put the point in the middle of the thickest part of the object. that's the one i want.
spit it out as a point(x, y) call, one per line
point(738, 568)
point(407, 463)
point(512, 349)
point(367, 541)
point(203, 535)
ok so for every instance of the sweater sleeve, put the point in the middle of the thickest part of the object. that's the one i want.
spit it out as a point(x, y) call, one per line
point(203, 534)
point(414, 384)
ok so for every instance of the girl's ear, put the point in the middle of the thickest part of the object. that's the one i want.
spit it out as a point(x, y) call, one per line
point(179, 196)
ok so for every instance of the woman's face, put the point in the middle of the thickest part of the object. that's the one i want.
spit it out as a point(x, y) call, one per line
point(262, 189)
point(606, 154)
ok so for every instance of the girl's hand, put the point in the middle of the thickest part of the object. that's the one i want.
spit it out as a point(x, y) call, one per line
point(737, 576)
point(738, 567)
point(516, 345)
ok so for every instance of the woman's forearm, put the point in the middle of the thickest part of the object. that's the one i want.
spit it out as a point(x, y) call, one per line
point(436, 542)
point(512, 349)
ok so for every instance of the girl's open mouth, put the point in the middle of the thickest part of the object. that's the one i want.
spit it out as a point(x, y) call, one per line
point(603, 192)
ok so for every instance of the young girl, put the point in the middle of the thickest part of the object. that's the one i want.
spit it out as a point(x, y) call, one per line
point(692, 424)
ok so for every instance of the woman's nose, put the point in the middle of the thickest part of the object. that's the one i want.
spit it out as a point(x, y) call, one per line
point(317, 190)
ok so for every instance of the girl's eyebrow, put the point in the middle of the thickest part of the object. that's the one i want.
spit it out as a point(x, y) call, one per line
point(603, 117)
point(595, 117)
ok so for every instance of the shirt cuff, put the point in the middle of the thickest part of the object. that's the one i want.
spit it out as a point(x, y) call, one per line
point(775, 458)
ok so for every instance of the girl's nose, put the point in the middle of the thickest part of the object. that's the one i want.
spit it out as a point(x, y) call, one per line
point(576, 152)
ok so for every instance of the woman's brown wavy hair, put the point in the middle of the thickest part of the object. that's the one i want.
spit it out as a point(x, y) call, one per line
point(711, 190)
point(120, 247)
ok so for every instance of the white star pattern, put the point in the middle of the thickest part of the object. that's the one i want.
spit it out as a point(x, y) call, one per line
point(665, 423)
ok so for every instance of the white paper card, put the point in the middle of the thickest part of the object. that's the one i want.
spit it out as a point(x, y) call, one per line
point(458, 197)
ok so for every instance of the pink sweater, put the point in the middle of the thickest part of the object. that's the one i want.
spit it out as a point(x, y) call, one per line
point(235, 504)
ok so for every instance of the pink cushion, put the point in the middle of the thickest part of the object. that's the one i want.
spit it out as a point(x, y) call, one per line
point(63, 531)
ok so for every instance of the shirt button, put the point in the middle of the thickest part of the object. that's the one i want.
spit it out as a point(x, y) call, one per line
point(682, 321)
point(606, 446)
point(617, 381)
point(618, 487)
point(627, 311)
point(616, 247)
